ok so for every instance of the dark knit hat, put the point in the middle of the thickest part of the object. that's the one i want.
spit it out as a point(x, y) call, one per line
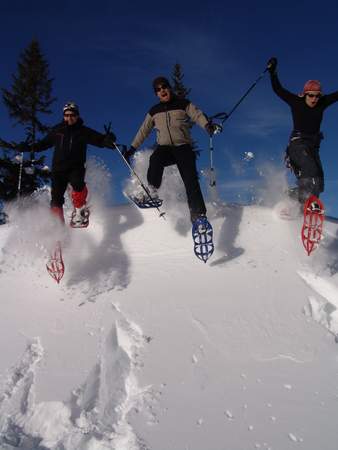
point(160, 81)
point(71, 106)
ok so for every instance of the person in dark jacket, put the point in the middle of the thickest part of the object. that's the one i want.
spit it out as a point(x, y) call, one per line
point(70, 139)
point(302, 152)
point(171, 119)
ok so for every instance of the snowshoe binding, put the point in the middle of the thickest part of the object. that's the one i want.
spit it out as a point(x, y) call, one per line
point(55, 266)
point(313, 223)
point(144, 201)
point(80, 217)
point(202, 234)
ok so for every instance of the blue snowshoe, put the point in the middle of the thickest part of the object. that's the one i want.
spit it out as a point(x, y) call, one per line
point(3, 218)
point(202, 234)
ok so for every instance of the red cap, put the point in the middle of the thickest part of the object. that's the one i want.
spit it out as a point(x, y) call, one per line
point(312, 85)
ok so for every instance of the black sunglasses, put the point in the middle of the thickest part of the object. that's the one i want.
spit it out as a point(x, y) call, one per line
point(161, 86)
point(314, 95)
point(70, 115)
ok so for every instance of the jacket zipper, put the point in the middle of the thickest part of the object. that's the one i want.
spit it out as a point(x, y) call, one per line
point(167, 122)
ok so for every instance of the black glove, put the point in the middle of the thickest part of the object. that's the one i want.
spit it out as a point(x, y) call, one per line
point(272, 65)
point(109, 140)
point(213, 128)
point(128, 154)
point(5, 144)
point(22, 147)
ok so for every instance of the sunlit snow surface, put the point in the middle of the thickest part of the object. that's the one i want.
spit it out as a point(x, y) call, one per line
point(142, 346)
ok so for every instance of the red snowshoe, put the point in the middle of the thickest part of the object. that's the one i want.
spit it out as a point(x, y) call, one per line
point(55, 265)
point(313, 223)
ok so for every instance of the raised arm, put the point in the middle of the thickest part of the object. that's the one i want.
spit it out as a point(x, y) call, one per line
point(282, 93)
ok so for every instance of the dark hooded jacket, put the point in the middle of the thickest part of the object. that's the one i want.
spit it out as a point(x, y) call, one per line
point(70, 144)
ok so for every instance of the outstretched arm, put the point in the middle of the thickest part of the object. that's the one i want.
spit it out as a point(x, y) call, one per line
point(39, 146)
point(282, 93)
point(330, 98)
point(196, 115)
point(143, 132)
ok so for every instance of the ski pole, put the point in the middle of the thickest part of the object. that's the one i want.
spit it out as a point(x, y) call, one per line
point(107, 129)
point(218, 129)
point(223, 116)
point(139, 180)
point(20, 175)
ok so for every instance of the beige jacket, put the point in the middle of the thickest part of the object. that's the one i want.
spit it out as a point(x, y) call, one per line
point(172, 123)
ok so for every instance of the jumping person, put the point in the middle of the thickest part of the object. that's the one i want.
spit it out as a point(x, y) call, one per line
point(170, 117)
point(70, 139)
point(303, 148)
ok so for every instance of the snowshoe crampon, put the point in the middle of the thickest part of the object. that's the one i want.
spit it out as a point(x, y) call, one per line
point(313, 223)
point(55, 266)
point(202, 234)
point(145, 202)
point(80, 218)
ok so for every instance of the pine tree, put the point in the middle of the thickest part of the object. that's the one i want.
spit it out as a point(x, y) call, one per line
point(29, 98)
point(182, 92)
point(177, 77)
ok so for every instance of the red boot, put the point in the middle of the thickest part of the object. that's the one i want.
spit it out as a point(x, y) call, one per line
point(79, 198)
point(57, 211)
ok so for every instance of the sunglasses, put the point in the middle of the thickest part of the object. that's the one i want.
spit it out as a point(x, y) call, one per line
point(70, 115)
point(314, 95)
point(162, 86)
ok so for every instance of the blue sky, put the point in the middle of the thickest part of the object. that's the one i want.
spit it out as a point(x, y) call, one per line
point(104, 55)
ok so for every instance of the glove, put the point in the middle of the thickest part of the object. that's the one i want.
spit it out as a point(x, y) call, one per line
point(128, 154)
point(5, 144)
point(213, 128)
point(22, 147)
point(272, 65)
point(109, 140)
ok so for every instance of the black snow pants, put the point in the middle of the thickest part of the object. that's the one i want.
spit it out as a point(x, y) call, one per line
point(60, 179)
point(185, 159)
point(303, 153)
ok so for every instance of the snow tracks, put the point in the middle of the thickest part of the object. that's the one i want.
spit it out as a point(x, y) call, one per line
point(96, 415)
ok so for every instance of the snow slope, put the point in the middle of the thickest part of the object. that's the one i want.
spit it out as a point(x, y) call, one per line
point(143, 346)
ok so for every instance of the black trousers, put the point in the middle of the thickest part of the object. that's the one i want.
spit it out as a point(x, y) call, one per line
point(306, 164)
point(185, 159)
point(60, 179)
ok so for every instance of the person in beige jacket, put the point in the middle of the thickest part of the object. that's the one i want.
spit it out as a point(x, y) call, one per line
point(171, 119)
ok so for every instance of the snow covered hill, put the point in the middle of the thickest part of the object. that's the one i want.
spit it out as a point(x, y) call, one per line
point(143, 346)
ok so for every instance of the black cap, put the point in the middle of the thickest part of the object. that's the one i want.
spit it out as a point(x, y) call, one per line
point(71, 106)
point(160, 81)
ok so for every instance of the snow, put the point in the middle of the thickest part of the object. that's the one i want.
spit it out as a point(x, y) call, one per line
point(143, 346)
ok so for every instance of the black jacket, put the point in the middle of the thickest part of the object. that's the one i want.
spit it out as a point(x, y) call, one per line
point(70, 144)
point(305, 119)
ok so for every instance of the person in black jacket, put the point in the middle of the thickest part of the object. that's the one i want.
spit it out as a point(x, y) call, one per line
point(70, 139)
point(302, 152)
